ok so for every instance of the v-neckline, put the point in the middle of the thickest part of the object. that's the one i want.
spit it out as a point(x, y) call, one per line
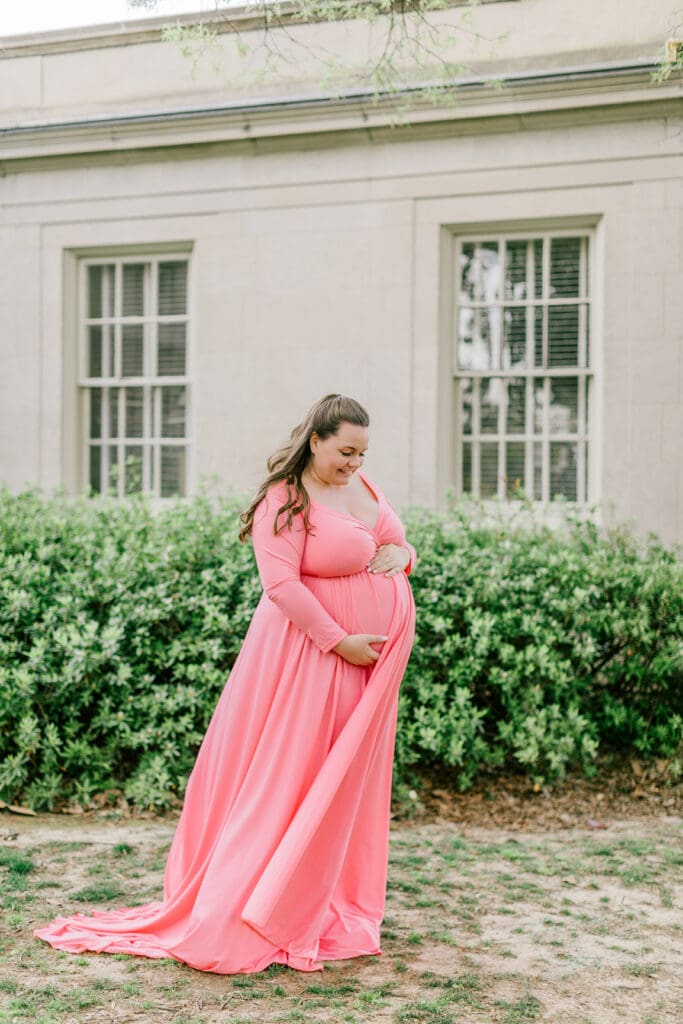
point(347, 515)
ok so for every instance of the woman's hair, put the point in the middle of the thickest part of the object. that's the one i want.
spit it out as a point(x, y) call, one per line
point(289, 461)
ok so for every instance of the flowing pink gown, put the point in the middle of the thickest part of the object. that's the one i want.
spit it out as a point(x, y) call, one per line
point(280, 854)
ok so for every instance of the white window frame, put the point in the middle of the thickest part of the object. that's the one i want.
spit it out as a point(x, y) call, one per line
point(586, 432)
point(150, 383)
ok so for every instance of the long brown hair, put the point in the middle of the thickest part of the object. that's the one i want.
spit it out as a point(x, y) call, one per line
point(289, 461)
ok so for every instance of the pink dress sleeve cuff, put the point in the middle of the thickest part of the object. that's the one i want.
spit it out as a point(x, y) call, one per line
point(413, 558)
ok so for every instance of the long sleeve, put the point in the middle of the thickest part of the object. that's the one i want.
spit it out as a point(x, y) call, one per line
point(278, 557)
point(413, 556)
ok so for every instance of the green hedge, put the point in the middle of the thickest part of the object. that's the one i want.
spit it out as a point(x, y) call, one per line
point(118, 627)
point(538, 646)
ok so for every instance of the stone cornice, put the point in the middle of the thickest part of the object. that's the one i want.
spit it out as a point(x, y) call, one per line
point(147, 30)
point(599, 92)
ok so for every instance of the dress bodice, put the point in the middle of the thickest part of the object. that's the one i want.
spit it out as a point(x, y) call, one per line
point(338, 544)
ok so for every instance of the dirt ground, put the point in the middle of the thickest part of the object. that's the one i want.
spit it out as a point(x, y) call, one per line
point(503, 908)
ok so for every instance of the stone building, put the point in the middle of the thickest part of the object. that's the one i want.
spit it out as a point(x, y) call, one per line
point(188, 259)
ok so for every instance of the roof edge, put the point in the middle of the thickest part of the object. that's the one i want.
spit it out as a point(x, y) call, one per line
point(145, 30)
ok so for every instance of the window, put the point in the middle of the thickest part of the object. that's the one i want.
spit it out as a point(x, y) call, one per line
point(134, 374)
point(522, 378)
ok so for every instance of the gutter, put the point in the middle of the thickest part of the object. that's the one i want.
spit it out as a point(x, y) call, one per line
point(577, 76)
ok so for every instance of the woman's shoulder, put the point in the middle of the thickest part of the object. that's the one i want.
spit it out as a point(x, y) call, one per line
point(278, 494)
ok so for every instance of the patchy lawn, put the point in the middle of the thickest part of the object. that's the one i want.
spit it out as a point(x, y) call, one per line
point(484, 925)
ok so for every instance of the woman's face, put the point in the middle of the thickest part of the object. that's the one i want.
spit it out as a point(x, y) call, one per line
point(335, 459)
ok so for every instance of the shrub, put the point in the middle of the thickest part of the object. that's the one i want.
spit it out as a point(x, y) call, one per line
point(538, 644)
point(119, 626)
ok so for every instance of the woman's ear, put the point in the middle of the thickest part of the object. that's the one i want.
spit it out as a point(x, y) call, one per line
point(313, 441)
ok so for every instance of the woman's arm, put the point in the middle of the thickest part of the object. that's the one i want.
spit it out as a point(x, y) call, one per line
point(278, 557)
point(413, 556)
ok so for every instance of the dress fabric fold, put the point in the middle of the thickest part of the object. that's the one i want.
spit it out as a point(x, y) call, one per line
point(280, 853)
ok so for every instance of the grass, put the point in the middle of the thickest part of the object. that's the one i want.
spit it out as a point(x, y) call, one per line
point(525, 1009)
point(102, 893)
point(480, 929)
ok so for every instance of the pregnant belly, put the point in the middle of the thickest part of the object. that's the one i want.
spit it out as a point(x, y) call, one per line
point(362, 602)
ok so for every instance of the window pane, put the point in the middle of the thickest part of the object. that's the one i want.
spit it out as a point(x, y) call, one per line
point(586, 475)
point(95, 292)
point(480, 272)
point(515, 421)
point(479, 334)
point(132, 350)
point(100, 291)
point(515, 270)
point(171, 350)
point(133, 469)
point(173, 412)
point(133, 289)
point(172, 288)
point(514, 467)
point(101, 351)
point(114, 469)
point(467, 468)
point(538, 268)
point(564, 267)
point(94, 352)
point(488, 483)
point(538, 336)
point(563, 470)
point(563, 336)
point(564, 405)
point(95, 463)
point(539, 405)
point(96, 412)
point(172, 472)
point(114, 412)
point(538, 471)
point(109, 350)
point(134, 412)
point(489, 403)
point(514, 336)
point(466, 405)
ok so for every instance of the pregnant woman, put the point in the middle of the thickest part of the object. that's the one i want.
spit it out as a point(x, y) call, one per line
point(280, 854)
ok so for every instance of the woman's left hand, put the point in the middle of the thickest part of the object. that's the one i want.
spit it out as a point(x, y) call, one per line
point(389, 559)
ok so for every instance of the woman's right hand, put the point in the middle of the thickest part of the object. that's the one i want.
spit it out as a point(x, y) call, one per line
point(355, 648)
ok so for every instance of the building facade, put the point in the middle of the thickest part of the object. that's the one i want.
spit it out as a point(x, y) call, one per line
point(187, 261)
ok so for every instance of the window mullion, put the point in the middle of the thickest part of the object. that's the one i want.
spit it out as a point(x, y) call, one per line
point(529, 437)
point(121, 443)
point(148, 368)
point(476, 461)
point(105, 465)
point(581, 440)
point(545, 293)
point(545, 475)
point(157, 435)
point(118, 308)
point(502, 419)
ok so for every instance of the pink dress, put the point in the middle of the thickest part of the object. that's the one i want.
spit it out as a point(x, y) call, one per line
point(280, 854)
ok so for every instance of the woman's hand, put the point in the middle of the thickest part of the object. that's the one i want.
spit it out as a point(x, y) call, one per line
point(389, 559)
point(356, 648)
